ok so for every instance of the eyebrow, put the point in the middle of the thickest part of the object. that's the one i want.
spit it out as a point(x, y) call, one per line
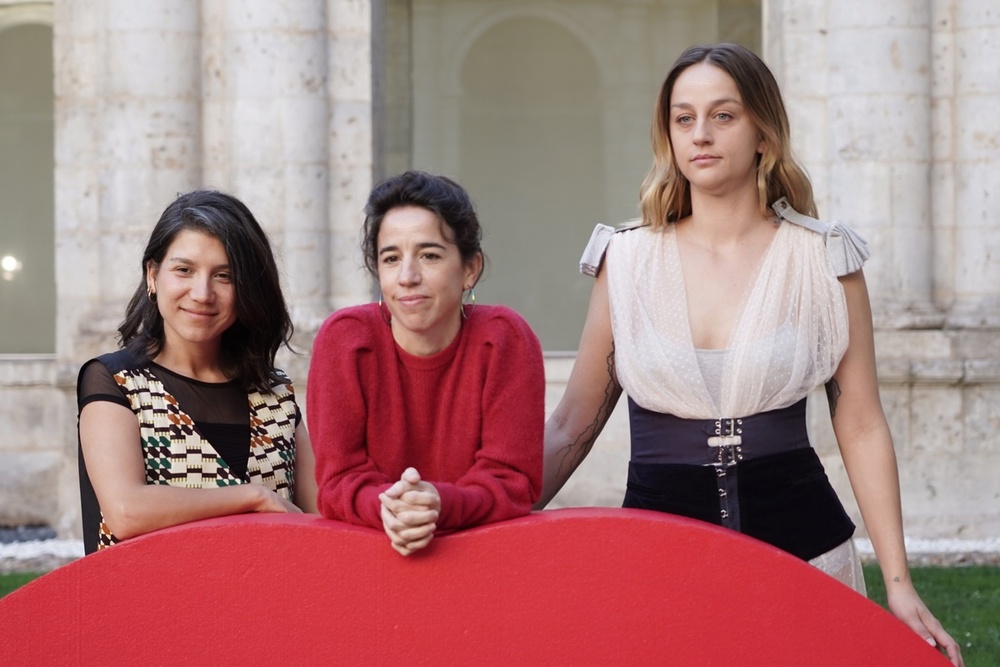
point(425, 244)
point(714, 103)
point(185, 260)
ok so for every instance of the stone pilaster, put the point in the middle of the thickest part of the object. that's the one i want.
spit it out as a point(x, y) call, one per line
point(127, 133)
point(879, 119)
point(976, 141)
point(349, 153)
point(264, 111)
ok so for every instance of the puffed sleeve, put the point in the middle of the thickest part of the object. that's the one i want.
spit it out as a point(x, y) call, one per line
point(846, 250)
point(597, 246)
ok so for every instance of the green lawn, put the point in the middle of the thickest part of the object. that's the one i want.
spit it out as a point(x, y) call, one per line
point(9, 582)
point(965, 599)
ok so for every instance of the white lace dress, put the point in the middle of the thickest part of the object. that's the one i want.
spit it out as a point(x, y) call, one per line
point(789, 337)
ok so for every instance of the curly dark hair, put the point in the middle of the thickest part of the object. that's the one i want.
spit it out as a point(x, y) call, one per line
point(438, 194)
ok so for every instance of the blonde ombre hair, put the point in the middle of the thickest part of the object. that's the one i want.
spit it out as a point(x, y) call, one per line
point(665, 195)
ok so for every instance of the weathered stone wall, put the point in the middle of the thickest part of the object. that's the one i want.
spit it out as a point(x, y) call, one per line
point(273, 101)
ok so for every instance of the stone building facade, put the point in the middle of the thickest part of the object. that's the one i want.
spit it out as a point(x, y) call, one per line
point(297, 106)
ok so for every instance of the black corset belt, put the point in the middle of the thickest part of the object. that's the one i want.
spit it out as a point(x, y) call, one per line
point(758, 475)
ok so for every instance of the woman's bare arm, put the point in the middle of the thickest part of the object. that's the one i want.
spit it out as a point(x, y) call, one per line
point(109, 438)
point(591, 395)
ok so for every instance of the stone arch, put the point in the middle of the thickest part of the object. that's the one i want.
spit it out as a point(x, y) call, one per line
point(27, 190)
point(531, 150)
point(26, 13)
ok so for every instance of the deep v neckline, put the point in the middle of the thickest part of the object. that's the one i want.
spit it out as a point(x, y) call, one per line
point(752, 286)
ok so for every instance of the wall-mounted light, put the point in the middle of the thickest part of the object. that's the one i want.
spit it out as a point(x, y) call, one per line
point(9, 267)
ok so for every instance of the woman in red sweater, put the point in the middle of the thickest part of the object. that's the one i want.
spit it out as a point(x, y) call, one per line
point(426, 411)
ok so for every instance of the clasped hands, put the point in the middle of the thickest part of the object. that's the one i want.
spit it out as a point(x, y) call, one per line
point(410, 511)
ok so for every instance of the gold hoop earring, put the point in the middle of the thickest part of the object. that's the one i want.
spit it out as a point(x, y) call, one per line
point(151, 295)
point(468, 303)
point(384, 310)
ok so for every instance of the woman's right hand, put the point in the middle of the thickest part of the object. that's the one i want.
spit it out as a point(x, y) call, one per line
point(271, 502)
point(410, 509)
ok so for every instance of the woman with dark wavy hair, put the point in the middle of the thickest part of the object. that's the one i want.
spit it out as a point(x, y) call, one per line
point(717, 314)
point(190, 419)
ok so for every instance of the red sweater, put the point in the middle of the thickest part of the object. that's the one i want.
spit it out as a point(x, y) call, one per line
point(469, 418)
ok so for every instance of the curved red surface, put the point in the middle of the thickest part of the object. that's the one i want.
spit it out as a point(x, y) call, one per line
point(560, 587)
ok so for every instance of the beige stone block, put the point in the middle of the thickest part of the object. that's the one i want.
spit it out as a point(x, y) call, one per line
point(978, 143)
point(976, 344)
point(888, 13)
point(24, 370)
point(152, 64)
point(77, 142)
point(982, 421)
point(978, 272)
point(303, 130)
point(938, 371)
point(897, 407)
point(883, 127)
point(349, 18)
point(803, 15)
point(558, 369)
point(78, 19)
point(28, 481)
point(936, 420)
point(255, 16)
point(77, 72)
point(350, 150)
point(980, 49)
point(806, 116)
point(152, 15)
point(892, 371)
point(926, 489)
point(30, 414)
point(913, 344)
point(264, 64)
point(942, 134)
point(858, 185)
point(986, 371)
point(976, 13)
point(349, 63)
point(879, 61)
point(805, 73)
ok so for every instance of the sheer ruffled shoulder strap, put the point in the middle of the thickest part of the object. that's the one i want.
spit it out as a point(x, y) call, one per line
point(846, 250)
point(597, 246)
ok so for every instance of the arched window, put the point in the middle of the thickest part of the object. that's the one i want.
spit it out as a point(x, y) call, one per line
point(542, 110)
point(27, 228)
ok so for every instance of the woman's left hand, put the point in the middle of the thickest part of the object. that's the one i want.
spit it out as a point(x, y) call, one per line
point(410, 510)
point(907, 606)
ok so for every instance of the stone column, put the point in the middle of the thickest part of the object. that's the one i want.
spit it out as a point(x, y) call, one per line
point(126, 142)
point(264, 114)
point(976, 258)
point(349, 90)
point(879, 118)
point(127, 138)
point(796, 53)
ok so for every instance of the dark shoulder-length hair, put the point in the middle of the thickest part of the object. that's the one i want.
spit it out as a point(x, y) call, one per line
point(440, 195)
point(262, 324)
point(665, 193)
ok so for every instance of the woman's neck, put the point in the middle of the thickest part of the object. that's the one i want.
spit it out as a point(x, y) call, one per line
point(196, 363)
point(724, 222)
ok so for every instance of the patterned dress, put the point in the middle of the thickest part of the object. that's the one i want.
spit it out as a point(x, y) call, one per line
point(192, 434)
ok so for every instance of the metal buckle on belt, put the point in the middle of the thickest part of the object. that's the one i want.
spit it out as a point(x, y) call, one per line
point(728, 438)
point(728, 433)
